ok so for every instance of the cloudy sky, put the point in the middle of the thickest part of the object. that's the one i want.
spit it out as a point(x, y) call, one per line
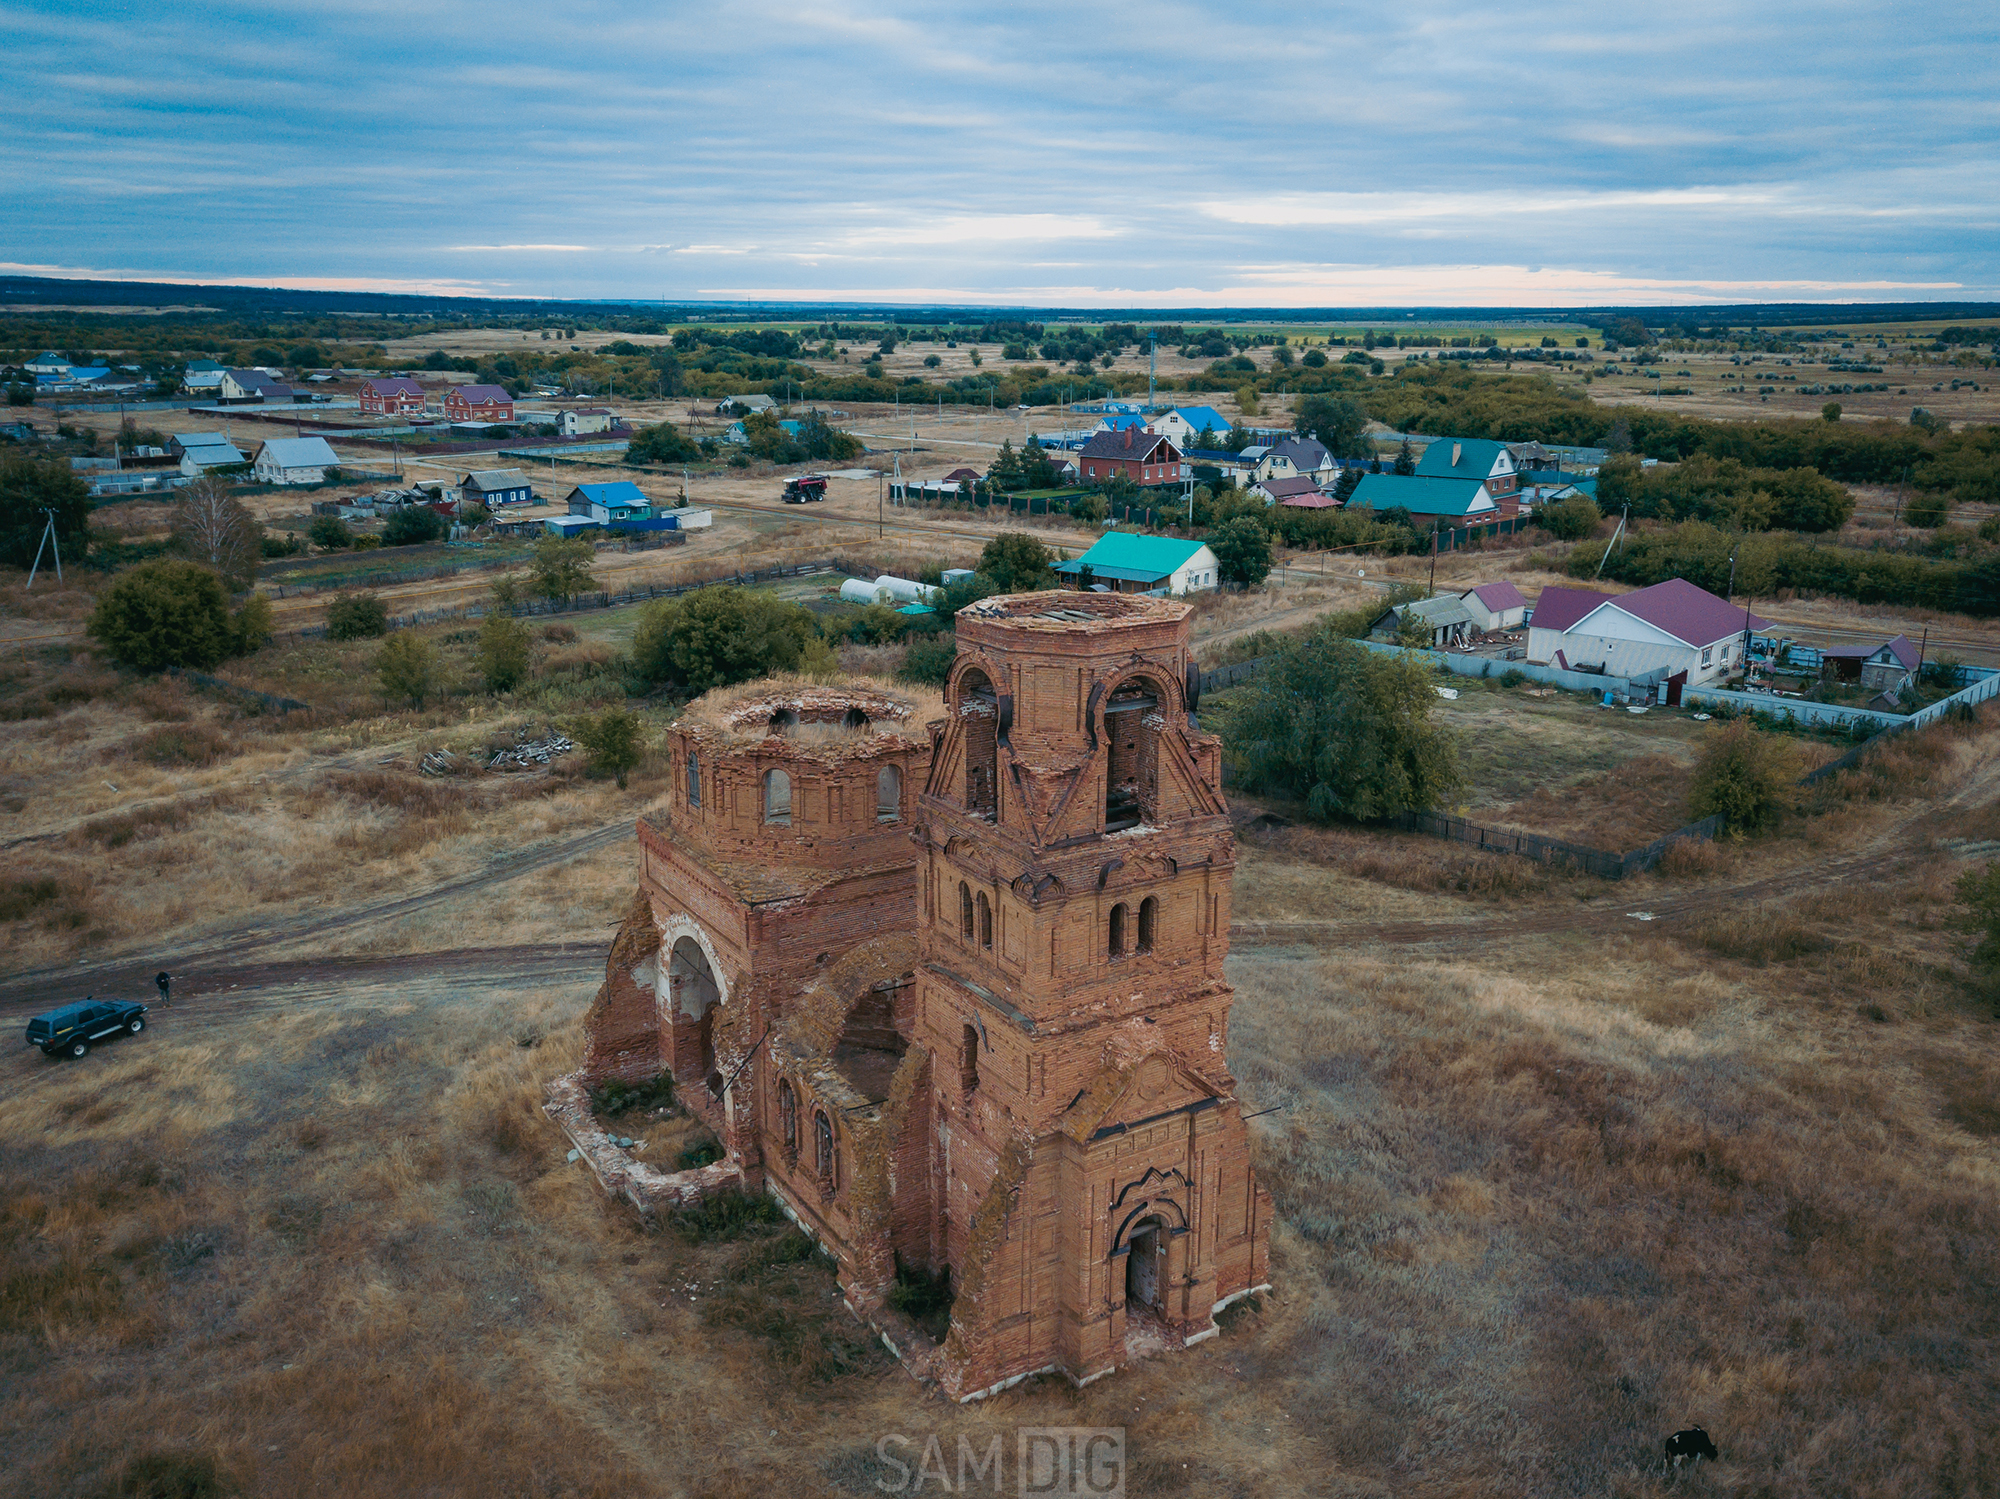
point(1163, 154)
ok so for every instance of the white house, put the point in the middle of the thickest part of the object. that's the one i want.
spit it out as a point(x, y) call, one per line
point(1495, 606)
point(1294, 458)
point(197, 458)
point(589, 419)
point(1672, 631)
point(202, 375)
point(1185, 424)
point(252, 385)
point(49, 363)
point(293, 460)
point(1127, 563)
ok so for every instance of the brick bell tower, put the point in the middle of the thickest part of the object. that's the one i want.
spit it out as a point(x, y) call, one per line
point(1090, 1182)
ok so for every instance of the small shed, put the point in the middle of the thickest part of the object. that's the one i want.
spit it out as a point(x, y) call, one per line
point(1496, 606)
point(1445, 617)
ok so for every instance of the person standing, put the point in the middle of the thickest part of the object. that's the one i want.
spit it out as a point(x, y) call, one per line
point(163, 981)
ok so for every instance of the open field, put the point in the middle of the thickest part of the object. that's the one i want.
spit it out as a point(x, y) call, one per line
point(1551, 1183)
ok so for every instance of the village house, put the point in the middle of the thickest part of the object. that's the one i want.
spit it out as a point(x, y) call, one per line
point(293, 460)
point(584, 421)
point(49, 362)
point(494, 487)
point(1429, 501)
point(1294, 457)
point(1146, 458)
point(478, 403)
point(961, 1027)
point(1889, 667)
point(1472, 461)
point(621, 500)
point(1672, 632)
point(201, 376)
point(201, 451)
point(1495, 606)
point(1128, 563)
point(392, 395)
point(1444, 619)
point(242, 387)
point(743, 405)
point(1300, 489)
point(1190, 427)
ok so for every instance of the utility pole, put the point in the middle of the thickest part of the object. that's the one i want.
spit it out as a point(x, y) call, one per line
point(879, 522)
point(49, 540)
point(1432, 587)
point(1152, 366)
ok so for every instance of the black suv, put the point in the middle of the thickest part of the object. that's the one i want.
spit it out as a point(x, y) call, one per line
point(70, 1029)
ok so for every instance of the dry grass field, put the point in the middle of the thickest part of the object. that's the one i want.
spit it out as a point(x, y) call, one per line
point(1552, 1181)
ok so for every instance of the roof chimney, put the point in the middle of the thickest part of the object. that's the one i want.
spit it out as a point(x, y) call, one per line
point(1456, 449)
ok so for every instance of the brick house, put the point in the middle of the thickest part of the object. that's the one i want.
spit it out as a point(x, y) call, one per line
point(478, 403)
point(1146, 458)
point(954, 1024)
point(394, 395)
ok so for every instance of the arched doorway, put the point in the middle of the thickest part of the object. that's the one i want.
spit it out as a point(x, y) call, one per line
point(695, 999)
point(1145, 1249)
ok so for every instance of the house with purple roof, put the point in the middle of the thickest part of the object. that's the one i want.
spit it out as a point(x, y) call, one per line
point(1672, 632)
point(1888, 667)
point(1495, 606)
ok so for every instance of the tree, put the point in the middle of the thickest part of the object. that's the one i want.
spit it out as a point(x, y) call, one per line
point(503, 651)
point(356, 616)
point(170, 612)
point(1005, 473)
point(407, 667)
point(212, 526)
point(929, 660)
point(1346, 484)
point(1242, 551)
point(251, 629)
point(614, 742)
point(28, 488)
point(330, 534)
point(1746, 775)
point(413, 525)
point(19, 394)
point(561, 568)
point(1830, 412)
point(1619, 438)
point(1246, 399)
point(1336, 421)
point(1569, 520)
point(664, 443)
point(1344, 730)
point(1017, 563)
point(1406, 461)
point(722, 634)
point(1928, 510)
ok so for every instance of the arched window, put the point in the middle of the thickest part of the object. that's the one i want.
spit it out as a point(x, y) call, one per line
point(888, 794)
point(968, 1058)
point(783, 721)
point(985, 922)
point(788, 1115)
point(978, 706)
point(854, 718)
point(694, 779)
point(965, 927)
point(823, 1148)
point(777, 797)
point(1149, 918)
point(1120, 918)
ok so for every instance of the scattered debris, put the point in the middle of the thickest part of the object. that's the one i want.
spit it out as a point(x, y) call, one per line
point(570, 1159)
point(533, 752)
point(1701, 718)
point(441, 762)
point(1640, 915)
point(1450, 692)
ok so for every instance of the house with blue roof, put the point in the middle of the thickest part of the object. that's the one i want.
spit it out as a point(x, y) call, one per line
point(605, 503)
point(1185, 424)
point(1123, 562)
point(1427, 499)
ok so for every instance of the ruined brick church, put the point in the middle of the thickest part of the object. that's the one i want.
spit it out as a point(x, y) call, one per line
point(947, 980)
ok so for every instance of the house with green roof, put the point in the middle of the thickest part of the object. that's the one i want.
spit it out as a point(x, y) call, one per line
point(1427, 499)
point(1122, 562)
point(1472, 460)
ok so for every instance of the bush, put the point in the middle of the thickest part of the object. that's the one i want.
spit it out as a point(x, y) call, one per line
point(1345, 730)
point(1928, 511)
point(1569, 520)
point(722, 634)
point(613, 742)
point(662, 444)
point(1979, 892)
point(1016, 563)
point(252, 627)
point(165, 613)
point(407, 667)
point(929, 661)
point(356, 616)
point(1748, 776)
point(726, 1216)
point(503, 651)
point(413, 525)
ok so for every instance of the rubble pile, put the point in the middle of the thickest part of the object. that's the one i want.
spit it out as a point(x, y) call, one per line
point(532, 753)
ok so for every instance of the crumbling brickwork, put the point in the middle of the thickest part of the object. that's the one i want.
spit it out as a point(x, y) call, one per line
point(947, 979)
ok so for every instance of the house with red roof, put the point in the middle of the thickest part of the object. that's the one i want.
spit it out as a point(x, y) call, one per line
point(1495, 606)
point(478, 403)
point(1672, 632)
point(392, 395)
